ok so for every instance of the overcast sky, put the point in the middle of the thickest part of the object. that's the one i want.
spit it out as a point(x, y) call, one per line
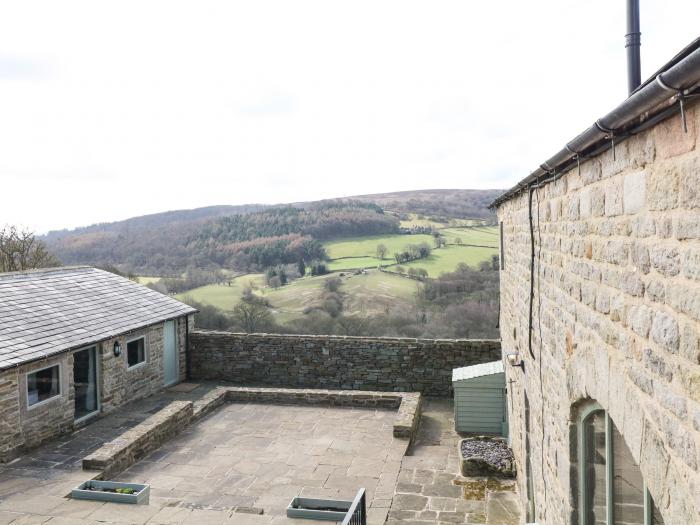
point(115, 109)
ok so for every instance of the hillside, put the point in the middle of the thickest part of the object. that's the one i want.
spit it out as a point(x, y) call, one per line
point(252, 237)
point(454, 203)
point(167, 245)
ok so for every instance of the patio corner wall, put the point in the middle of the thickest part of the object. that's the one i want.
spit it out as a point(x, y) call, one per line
point(332, 362)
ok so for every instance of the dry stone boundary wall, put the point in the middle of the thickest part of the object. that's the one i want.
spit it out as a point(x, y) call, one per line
point(333, 362)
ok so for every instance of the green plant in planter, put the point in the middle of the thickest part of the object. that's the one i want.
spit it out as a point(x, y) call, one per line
point(125, 491)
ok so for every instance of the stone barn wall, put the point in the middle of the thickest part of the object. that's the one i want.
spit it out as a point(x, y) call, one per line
point(348, 363)
point(616, 317)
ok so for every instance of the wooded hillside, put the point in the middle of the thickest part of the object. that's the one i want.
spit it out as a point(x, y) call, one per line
point(243, 242)
point(252, 237)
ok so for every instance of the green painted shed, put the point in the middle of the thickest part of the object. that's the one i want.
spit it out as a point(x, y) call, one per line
point(480, 399)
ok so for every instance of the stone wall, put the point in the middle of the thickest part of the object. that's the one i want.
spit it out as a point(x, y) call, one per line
point(121, 384)
point(10, 434)
point(349, 363)
point(139, 441)
point(616, 317)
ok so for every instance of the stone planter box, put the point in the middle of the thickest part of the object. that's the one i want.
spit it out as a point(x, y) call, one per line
point(318, 509)
point(83, 491)
point(477, 467)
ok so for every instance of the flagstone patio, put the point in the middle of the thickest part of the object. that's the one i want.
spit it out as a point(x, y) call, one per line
point(244, 462)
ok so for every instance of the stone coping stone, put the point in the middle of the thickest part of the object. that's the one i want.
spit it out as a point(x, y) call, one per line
point(475, 466)
point(119, 454)
point(316, 337)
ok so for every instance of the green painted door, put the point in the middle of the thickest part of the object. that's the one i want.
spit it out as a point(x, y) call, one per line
point(170, 354)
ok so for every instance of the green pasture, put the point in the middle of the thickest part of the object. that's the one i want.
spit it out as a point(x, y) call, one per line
point(223, 296)
point(367, 245)
point(448, 258)
point(354, 263)
point(143, 279)
point(483, 235)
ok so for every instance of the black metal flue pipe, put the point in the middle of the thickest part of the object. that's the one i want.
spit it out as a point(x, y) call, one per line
point(633, 42)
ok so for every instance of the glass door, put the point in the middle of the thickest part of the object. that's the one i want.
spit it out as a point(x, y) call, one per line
point(85, 381)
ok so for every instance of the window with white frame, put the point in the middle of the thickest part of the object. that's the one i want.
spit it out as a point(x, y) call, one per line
point(135, 352)
point(43, 385)
point(612, 490)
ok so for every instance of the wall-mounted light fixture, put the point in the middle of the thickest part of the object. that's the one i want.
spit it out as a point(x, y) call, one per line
point(117, 349)
point(514, 359)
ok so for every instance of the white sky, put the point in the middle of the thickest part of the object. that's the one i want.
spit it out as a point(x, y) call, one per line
point(115, 109)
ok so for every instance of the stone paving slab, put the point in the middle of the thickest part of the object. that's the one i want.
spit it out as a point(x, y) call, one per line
point(429, 489)
point(246, 456)
point(262, 455)
point(241, 459)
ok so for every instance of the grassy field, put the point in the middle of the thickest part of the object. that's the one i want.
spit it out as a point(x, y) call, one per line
point(353, 263)
point(373, 291)
point(142, 279)
point(355, 246)
point(448, 258)
point(484, 235)
point(416, 220)
point(367, 293)
point(223, 296)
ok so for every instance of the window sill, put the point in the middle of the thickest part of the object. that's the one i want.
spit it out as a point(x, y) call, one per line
point(42, 403)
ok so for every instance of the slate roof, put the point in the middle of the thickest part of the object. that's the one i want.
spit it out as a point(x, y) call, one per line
point(484, 369)
point(46, 312)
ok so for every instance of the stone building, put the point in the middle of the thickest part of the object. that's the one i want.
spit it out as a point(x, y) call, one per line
point(78, 342)
point(600, 314)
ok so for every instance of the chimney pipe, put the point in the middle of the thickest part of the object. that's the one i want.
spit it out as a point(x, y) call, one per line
point(633, 42)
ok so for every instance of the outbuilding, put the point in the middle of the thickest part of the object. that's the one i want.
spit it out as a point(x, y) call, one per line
point(77, 342)
point(479, 399)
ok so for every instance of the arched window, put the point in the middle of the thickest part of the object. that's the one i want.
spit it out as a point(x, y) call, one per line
point(612, 490)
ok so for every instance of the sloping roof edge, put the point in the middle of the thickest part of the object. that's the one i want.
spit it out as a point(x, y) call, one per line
point(48, 312)
point(480, 370)
point(652, 102)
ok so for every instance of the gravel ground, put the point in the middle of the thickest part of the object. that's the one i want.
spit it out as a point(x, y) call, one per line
point(495, 452)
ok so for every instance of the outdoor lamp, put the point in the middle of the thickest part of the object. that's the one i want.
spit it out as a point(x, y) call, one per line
point(515, 360)
point(117, 349)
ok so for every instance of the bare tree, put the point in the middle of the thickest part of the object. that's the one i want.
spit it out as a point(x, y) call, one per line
point(381, 251)
point(20, 250)
point(252, 312)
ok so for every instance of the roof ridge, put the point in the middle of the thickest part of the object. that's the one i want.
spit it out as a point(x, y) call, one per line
point(19, 273)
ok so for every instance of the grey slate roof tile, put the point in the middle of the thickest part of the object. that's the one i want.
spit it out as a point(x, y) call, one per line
point(46, 312)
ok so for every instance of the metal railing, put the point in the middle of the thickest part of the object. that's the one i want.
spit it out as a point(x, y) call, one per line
point(357, 513)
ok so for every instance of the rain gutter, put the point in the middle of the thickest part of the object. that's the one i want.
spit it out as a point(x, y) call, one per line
point(657, 99)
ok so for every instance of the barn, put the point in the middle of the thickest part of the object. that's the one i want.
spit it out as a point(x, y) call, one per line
point(76, 343)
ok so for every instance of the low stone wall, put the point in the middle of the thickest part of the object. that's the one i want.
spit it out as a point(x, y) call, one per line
point(347, 363)
point(120, 453)
point(408, 404)
point(139, 441)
